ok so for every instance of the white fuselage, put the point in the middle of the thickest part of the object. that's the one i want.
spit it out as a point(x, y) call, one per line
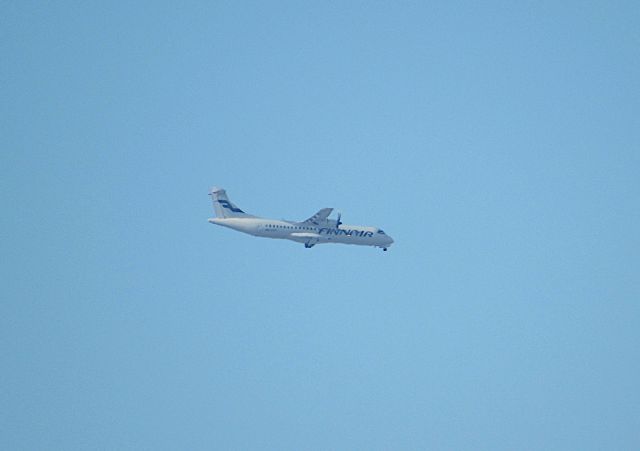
point(309, 234)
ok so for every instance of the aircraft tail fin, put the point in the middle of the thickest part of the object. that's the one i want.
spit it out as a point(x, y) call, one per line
point(223, 206)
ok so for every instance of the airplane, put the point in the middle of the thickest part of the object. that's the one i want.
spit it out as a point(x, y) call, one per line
point(318, 229)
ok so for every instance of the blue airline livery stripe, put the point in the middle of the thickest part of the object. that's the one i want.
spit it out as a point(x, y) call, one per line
point(226, 204)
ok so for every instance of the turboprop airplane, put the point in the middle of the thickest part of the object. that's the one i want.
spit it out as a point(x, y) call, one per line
point(318, 229)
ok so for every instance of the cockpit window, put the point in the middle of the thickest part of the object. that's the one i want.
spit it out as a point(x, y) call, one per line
point(381, 232)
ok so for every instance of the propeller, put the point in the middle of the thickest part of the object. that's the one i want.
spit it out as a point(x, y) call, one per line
point(338, 222)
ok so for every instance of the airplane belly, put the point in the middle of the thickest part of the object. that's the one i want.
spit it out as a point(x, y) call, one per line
point(306, 237)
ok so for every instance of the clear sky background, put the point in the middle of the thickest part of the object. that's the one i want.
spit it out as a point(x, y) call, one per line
point(498, 143)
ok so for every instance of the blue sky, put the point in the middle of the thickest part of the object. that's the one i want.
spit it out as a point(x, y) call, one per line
point(499, 144)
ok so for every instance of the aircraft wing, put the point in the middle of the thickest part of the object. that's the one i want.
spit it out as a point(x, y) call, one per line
point(319, 217)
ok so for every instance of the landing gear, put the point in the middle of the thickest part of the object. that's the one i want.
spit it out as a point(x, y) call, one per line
point(308, 246)
point(384, 249)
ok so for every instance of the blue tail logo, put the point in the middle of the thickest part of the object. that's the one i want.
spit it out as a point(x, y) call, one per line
point(226, 204)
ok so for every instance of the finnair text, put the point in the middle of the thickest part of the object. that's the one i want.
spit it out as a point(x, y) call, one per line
point(348, 232)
